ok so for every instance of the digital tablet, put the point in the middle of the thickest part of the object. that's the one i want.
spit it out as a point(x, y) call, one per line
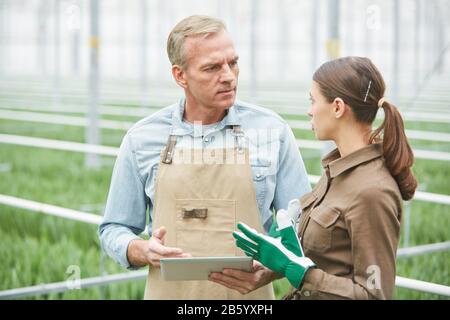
point(198, 268)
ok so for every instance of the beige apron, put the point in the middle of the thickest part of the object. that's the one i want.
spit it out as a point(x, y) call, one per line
point(200, 195)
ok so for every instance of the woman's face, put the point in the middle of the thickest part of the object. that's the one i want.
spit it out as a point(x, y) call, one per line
point(323, 119)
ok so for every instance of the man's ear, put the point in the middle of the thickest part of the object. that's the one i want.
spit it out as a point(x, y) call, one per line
point(339, 108)
point(179, 75)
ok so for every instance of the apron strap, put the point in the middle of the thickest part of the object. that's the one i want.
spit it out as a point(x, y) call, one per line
point(172, 141)
point(238, 137)
point(168, 152)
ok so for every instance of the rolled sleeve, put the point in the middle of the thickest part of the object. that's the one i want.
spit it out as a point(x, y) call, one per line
point(126, 207)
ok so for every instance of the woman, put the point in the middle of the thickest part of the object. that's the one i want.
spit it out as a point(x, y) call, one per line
point(350, 223)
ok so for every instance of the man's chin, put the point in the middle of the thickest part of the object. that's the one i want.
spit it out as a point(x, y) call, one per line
point(227, 104)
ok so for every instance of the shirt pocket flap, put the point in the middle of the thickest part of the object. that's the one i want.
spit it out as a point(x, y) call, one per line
point(307, 199)
point(260, 168)
point(325, 216)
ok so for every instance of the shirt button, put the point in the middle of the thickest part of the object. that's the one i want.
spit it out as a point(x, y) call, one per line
point(258, 175)
point(306, 293)
point(206, 140)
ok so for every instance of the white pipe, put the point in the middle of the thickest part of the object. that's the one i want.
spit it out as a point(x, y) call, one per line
point(53, 210)
point(58, 145)
point(113, 151)
point(24, 114)
point(66, 286)
point(418, 154)
point(412, 134)
point(141, 275)
point(418, 196)
point(122, 125)
point(50, 209)
point(61, 119)
point(422, 286)
point(427, 248)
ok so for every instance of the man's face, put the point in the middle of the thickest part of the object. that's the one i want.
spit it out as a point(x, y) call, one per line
point(211, 71)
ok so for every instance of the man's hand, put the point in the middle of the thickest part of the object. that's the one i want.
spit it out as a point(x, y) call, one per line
point(242, 281)
point(148, 252)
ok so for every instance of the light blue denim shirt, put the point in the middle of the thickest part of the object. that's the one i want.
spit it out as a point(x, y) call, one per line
point(279, 173)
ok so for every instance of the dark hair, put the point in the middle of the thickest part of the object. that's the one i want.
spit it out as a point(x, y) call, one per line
point(360, 85)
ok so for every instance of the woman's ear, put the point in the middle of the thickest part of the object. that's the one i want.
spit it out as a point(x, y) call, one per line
point(339, 108)
point(179, 76)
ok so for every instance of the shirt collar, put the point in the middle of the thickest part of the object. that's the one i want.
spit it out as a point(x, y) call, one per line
point(338, 165)
point(181, 128)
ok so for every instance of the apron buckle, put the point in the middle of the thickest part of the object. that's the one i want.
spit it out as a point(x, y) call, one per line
point(196, 213)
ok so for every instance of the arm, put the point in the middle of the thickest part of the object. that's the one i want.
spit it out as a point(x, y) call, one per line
point(373, 225)
point(125, 211)
point(125, 216)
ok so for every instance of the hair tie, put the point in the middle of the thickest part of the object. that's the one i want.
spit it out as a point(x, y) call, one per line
point(380, 102)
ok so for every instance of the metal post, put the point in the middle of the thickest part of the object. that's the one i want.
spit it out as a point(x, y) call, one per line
point(350, 26)
point(283, 39)
point(144, 36)
point(435, 33)
point(42, 29)
point(56, 54)
point(417, 27)
point(333, 49)
point(162, 20)
point(74, 12)
point(253, 43)
point(92, 132)
point(369, 29)
point(396, 56)
point(121, 45)
point(440, 38)
point(333, 42)
point(314, 34)
point(2, 36)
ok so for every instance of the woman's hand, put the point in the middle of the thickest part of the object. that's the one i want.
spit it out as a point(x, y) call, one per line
point(242, 281)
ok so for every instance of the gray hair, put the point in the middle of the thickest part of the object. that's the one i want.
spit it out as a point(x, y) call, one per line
point(190, 26)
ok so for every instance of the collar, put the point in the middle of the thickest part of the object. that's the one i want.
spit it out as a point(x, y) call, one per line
point(338, 165)
point(181, 128)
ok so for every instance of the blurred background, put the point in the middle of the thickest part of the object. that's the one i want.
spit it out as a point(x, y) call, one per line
point(76, 74)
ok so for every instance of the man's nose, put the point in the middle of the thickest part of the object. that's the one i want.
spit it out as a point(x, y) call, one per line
point(227, 74)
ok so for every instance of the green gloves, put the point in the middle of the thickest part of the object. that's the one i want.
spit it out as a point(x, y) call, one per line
point(273, 254)
point(284, 227)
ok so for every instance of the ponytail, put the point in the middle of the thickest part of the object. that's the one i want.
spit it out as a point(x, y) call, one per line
point(397, 152)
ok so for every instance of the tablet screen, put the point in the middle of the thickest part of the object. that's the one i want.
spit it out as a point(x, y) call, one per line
point(198, 268)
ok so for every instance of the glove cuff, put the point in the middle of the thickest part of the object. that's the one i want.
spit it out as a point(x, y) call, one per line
point(295, 271)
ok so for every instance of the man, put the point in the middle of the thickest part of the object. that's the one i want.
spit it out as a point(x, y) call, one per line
point(200, 166)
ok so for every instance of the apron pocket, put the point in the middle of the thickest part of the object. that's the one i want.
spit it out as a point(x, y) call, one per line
point(204, 227)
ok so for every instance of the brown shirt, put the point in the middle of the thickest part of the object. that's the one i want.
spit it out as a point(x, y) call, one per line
point(350, 227)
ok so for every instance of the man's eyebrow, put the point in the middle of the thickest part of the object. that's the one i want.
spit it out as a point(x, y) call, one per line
point(213, 63)
point(209, 64)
